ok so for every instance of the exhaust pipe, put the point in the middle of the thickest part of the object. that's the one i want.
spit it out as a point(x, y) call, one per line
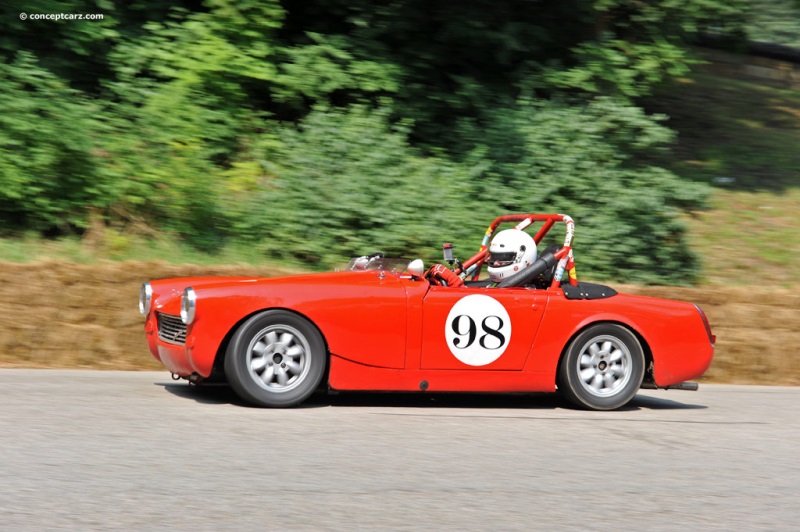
point(194, 378)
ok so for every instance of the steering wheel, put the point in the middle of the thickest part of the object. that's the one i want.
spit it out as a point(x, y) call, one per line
point(441, 275)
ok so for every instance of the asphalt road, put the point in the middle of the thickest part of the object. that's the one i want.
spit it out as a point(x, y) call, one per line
point(88, 450)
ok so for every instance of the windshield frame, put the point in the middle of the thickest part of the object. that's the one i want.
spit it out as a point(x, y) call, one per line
point(391, 265)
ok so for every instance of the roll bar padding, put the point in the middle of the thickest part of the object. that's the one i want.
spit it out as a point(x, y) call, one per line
point(540, 265)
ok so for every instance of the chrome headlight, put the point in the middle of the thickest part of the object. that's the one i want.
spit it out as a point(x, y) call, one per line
point(145, 298)
point(188, 305)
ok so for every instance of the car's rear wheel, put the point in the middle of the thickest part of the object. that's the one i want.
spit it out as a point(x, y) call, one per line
point(603, 368)
point(275, 359)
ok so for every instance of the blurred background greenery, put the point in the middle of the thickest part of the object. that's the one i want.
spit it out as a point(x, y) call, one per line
point(309, 131)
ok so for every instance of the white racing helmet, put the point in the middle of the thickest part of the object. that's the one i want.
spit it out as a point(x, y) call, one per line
point(511, 251)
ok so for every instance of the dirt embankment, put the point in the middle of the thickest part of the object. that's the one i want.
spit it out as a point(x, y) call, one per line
point(86, 316)
point(757, 330)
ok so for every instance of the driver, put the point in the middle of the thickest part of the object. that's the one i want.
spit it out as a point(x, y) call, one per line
point(511, 251)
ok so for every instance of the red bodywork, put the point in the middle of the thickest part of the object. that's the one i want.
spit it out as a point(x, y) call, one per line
point(387, 330)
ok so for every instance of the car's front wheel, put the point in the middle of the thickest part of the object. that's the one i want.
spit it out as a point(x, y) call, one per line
point(602, 368)
point(275, 359)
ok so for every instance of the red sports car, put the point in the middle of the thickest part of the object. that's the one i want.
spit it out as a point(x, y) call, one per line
point(389, 325)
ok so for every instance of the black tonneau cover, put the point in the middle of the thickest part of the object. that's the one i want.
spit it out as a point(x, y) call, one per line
point(587, 291)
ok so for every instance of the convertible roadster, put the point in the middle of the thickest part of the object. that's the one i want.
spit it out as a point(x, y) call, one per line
point(385, 324)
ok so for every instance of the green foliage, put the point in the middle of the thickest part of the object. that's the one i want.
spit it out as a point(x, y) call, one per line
point(355, 185)
point(347, 182)
point(580, 159)
point(639, 45)
point(775, 21)
point(619, 66)
point(315, 130)
point(182, 113)
point(325, 66)
point(47, 139)
point(450, 60)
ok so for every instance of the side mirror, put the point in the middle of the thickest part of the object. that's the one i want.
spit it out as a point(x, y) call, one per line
point(416, 268)
point(447, 249)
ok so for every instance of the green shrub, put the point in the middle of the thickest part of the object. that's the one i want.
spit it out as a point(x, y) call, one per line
point(585, 160)
point(347, 182)
point(47, 139)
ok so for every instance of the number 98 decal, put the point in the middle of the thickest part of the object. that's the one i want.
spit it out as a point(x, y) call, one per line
point(477, 330)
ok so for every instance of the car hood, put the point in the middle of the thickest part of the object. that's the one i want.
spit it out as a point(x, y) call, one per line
point(167, 292)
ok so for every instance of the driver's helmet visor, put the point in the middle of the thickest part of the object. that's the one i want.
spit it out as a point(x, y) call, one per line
point(503, 258)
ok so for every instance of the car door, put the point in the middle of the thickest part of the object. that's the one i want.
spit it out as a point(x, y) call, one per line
point(479, 328)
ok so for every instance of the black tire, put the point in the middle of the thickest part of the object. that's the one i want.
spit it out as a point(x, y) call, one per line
point(275, 359)
point(602, 369)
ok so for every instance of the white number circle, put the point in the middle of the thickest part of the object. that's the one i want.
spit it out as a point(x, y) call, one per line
point(477, 330)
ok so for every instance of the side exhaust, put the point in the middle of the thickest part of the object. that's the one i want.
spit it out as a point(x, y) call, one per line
point(194, 378)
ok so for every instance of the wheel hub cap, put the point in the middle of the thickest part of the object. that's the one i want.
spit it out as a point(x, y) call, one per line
point(277, 358)
point(604, 366)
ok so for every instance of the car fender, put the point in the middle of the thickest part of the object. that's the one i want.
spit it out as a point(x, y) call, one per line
point(672, 331)
point(362, 315)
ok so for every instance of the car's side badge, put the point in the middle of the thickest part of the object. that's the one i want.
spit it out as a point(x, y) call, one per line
point(477, 330)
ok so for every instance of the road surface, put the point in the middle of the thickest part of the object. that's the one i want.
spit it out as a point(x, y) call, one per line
point(90, 450)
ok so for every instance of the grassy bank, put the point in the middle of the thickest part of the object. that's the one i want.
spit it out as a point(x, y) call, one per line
point(72, 302)
point(113, 245)
point(60, 315)
point(740, 134)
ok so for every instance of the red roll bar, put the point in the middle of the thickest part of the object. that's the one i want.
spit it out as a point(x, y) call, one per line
point(473, 265)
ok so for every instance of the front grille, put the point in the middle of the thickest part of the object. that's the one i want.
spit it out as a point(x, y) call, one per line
point(171, 329)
